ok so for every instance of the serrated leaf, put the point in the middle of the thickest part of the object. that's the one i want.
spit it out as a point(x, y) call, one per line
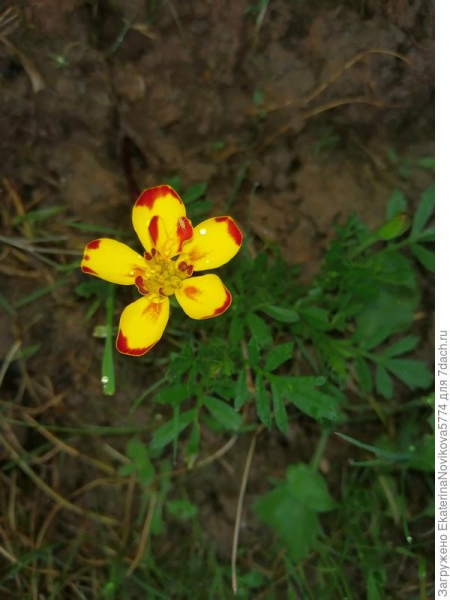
point(279, 410)
point(167, 432)
point(281, 314)
point(259, 329)
point(279, 355)
point(242, 394)
point(364, 374)
point(195, 192)
point(403, 346)
point(424, 211)
point(383, 382)
point(262, 401)
point(424, 256)
point(413, 373)
point(225, 414)
point(396, 204)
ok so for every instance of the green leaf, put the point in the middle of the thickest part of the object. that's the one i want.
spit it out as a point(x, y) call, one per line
point(259, 329)
point(315, 317)
point(424, 211)
point(175, 182)
point(383, 382)
point(167, 432)
point(424, 256)
point(396, 204)
point(403, 346)
point(364, 374)
point(242, 394)
point(195, 192)
point(390, 312)
point(180, 362)
point(283, 315)
point(262, 401)
point(236, 332)
point(279, 355)
point(225, 414)
point(428, 162)
point(254, 352)
point(182, 510)
point(191, 451)
point(137, 450)
point(394, 228)
point(309, 487)
point(427, 234)
point(127, 469)
point(279, 410)
point(413, 373)
point(305, 393)
point(174, 395)
point(424, 459)
point(200, 208)
point(291, 509)
point(296, 525)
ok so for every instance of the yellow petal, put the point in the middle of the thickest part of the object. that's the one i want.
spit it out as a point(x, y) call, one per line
point(159, 219)
point(112, 261)
point(214, 243)
point(141, 325)
point(203, 297)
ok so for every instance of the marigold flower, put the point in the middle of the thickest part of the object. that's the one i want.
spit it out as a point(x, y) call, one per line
point(174, 251)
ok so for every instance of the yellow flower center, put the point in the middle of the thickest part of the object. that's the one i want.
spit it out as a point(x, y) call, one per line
point(161, 277)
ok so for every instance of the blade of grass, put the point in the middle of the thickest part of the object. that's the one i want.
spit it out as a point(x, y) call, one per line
point(108, 376)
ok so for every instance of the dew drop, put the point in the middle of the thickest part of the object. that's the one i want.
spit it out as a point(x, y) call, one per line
point(409, 539)
point(105, 379)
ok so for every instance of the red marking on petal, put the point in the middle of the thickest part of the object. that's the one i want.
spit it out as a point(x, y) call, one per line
point(191, 291)
point(139, 282)
point(93, 245)
point(150, 255)
point(123, 347)
point(88, 270)
point(150, 196)
point(233, 229)
point(190, 269)
point(182, 266)
point(153, 229)
point(223, 308)
point(185, 231)
point(86, 257)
